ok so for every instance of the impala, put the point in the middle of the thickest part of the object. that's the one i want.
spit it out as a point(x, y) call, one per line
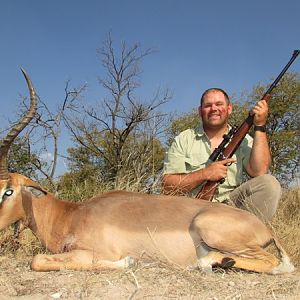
point(116, 229)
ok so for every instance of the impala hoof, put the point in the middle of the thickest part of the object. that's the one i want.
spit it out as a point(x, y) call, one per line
point(129, 262)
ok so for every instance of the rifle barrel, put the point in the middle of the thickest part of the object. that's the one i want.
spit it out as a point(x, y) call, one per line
point(273, 85)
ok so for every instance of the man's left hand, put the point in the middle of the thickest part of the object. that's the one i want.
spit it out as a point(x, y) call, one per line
point(260, 112)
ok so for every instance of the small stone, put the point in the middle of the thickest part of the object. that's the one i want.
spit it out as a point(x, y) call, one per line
point(56, 295)
point(231, 283)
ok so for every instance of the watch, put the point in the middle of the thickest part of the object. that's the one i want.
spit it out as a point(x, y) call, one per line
point(261, 128)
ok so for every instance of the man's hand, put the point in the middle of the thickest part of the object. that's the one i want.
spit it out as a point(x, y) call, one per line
point(218, 170)
point(178, 184)
point(260, 111)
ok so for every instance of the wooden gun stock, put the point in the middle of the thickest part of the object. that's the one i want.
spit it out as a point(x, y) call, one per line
point(209, 188)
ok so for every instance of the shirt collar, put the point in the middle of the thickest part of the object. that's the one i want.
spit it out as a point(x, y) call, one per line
point(199, 131)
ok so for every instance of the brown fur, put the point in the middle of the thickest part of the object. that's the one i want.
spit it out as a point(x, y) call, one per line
point(116, 228)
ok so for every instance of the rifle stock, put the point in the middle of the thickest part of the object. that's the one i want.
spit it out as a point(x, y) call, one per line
point(209, 188)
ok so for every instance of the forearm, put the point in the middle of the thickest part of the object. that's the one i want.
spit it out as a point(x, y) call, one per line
point(260, 157)
point(183, 183)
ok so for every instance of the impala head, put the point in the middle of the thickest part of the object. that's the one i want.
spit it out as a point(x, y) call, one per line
point(11, 184)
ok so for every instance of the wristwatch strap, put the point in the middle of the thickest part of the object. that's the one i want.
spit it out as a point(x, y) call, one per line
point(260, 128)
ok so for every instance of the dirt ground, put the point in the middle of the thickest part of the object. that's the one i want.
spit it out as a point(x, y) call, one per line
point(151, 281)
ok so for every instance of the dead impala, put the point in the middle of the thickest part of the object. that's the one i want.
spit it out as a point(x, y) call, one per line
point(117, 228)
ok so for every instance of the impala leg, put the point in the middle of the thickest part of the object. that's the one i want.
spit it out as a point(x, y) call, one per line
point(264, 264)
point(77, 260)
point(232, 238)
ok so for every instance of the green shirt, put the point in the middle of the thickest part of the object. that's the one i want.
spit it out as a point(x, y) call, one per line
point(190, 151)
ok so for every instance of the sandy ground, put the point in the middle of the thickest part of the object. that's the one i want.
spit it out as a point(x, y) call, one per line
point(152, 281)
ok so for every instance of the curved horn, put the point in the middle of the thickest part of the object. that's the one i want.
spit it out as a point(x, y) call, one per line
point(13, 133)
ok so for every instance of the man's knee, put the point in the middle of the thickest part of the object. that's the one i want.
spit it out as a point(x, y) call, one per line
point(270, 186)
point(259, 195)
point(267, 197)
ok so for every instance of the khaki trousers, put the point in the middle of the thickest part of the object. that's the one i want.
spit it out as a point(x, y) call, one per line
point(259, 195)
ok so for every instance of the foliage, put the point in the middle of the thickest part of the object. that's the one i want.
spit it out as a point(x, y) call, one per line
point(21, 159)
point(181, 123)
point(283, 126)
point(141, 159)
point(79, 186)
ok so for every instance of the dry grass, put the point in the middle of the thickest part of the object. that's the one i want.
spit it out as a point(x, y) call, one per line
point(155, 281)
point(286, 223)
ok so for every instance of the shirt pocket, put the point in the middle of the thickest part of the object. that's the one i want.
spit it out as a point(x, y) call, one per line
point(234, 173)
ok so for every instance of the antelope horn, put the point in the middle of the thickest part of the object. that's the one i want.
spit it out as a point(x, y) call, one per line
point(13, 133)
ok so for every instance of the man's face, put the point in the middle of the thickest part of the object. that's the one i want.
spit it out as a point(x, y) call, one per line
point(215, 110)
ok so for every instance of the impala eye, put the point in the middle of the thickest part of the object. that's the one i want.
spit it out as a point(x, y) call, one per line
point(8, 193)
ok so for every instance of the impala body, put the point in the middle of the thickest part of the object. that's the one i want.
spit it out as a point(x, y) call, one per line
point(115, 229)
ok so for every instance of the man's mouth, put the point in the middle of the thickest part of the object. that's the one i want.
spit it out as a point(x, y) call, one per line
point(214, 116)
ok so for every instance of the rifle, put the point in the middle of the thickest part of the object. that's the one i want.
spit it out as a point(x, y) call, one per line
point(235, 136)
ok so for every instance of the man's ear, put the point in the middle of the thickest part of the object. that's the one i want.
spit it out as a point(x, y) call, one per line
point(229, 108)
point(199, 110)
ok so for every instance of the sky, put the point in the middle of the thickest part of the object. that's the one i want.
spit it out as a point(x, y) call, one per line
point(198, 44)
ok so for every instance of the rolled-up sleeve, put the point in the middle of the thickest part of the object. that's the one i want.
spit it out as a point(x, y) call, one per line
point(246, 150)
point(175, 160)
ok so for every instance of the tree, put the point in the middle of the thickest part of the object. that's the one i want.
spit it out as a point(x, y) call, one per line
point(48, 126)
point(124, 124)
point(27, 154)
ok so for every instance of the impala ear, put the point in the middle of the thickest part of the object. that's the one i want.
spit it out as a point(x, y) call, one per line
point(36, 191)
point(33, 188)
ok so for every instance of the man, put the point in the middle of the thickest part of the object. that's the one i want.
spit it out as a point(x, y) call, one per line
point(187, 166)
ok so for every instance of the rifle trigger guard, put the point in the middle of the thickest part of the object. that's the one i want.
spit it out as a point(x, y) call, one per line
point(222, 180)
point(221, 156)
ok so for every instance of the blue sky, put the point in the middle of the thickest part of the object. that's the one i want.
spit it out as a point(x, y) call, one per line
point(200, 44)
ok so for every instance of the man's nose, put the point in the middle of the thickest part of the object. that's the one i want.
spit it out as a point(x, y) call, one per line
point(214, 107)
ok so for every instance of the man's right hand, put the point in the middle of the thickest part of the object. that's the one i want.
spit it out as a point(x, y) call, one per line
point(218, 169)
